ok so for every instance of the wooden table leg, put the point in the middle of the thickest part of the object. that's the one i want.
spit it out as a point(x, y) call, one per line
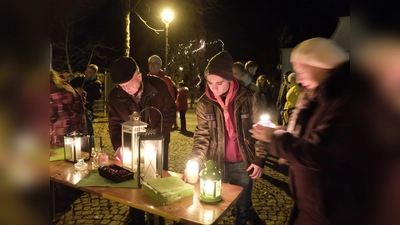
point(53, 203)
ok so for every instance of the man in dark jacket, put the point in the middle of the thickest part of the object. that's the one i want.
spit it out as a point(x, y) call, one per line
point(134, 92)
point(89, 84)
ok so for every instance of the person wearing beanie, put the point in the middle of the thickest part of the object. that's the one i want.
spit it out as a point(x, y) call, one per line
point(225, 113)
point(321, 142)
point(135, 91)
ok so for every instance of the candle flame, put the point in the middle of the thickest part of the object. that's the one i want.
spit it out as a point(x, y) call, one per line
point(265, 118)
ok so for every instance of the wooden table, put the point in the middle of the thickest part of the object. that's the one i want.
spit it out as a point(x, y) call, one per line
point(189, 210)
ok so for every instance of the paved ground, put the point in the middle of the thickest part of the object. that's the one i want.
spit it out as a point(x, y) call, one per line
point(271, 197)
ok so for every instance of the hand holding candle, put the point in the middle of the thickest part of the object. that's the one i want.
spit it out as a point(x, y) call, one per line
point(264, 129)
point(192, 171)
point(265, 121)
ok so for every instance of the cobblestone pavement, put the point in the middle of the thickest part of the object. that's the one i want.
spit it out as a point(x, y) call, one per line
point(271, 197)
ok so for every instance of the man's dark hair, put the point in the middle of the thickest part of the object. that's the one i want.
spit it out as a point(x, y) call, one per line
point(240, 66)
point(250, 64)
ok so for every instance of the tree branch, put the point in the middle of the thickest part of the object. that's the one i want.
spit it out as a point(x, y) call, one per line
point(145, 23)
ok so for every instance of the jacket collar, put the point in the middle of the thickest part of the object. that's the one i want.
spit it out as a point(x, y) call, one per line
point(148, 90)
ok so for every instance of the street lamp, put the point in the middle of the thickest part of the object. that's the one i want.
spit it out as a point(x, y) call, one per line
point(167, 17)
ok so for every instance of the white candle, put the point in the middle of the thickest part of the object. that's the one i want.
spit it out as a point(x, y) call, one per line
point(77, 143)
point(126, 157)
point(150, 163)
point(192, 171)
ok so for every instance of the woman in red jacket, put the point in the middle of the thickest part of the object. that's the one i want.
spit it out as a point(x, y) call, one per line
point(182, 105)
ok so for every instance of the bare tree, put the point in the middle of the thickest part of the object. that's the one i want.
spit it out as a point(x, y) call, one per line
point(72, 48)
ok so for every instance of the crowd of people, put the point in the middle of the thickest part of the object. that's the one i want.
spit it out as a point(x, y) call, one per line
point(343, 154)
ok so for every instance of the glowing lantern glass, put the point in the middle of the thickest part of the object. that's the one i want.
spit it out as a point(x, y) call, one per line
point(210, 182)
point(151, 150)
point(77, 146)
point(130, 141)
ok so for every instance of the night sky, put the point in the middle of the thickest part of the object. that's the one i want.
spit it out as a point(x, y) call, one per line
point(248, 28)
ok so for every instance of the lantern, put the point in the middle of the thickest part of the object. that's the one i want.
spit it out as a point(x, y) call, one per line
point(130, 140)
point(210, 182)
point(77, 146)
point(151, 151)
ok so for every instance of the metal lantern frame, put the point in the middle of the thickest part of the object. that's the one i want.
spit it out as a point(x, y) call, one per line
point(210, 184)
point(77, 145)
point(151, 152)
point(135, 138)
point(130, 141)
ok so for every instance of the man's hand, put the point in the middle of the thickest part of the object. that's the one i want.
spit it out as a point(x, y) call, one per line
point(118, 156)
point(256, 171)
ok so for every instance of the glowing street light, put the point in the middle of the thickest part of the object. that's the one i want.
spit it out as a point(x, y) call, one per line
point(167, 17)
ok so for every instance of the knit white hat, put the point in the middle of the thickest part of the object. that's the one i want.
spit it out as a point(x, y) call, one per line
point(292, 78)
point(319, 52)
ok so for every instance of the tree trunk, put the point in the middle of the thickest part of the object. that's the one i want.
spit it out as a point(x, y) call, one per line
point(67, 52)
point(127, 12)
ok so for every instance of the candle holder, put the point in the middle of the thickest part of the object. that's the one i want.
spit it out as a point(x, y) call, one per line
point(210, 182)
point(142, 148)
point(151, 150)
point(77, 146)
point(130, 140)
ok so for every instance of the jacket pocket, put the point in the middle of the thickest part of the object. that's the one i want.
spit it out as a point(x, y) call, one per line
point(246, 124)
point(212, 126)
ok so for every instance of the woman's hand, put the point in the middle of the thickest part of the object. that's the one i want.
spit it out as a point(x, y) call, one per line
point(256, 171)
point(262, 133)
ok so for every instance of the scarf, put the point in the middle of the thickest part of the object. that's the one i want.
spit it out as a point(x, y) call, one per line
point(225, 107)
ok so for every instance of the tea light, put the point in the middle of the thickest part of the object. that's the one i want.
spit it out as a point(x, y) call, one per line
point(265, 121)
point(192, 171)
point(126, 157)
point(77, 143)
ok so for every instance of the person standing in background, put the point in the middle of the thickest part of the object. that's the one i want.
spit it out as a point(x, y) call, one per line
point(90, 84)
point(155, 64)
point(251, 69)
point(280, 102)
point(182, 104)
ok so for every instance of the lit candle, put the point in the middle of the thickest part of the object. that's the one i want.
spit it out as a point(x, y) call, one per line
point(126, 157)
point(77, 143)
point(265, 121)
point(209, 189)
point(150, 163)
point(192, 171)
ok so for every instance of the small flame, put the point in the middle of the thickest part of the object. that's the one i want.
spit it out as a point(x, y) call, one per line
point(265, 118)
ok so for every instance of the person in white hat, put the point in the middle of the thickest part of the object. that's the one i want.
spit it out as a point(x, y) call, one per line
point(319, 143)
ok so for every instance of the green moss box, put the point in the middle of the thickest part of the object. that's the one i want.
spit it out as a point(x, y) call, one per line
point(167, 190)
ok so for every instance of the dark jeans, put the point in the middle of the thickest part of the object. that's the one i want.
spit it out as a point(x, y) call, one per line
point(182, 115)
point(279, 110)
point(235, 173)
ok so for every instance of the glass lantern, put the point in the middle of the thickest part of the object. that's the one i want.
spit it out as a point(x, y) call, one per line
point(151, 151)
point(77, 146)
point(210, 182)
point(130, 141)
